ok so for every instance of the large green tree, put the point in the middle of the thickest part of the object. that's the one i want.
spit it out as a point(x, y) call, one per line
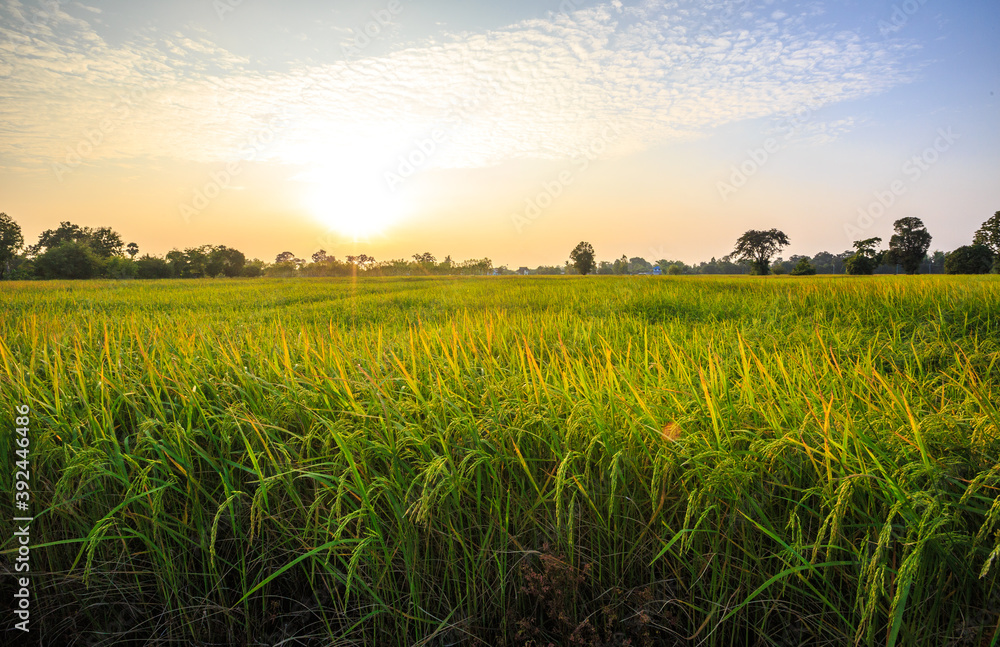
point(758, 248)
point(103, 241)
point(11, 241)
point(69, 259)
point(989, 235)
point(583, 258)
point(225, 261)
point(908, 246)
point(970, 259)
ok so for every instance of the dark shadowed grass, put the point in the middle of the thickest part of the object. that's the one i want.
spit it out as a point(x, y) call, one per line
point(511, 461)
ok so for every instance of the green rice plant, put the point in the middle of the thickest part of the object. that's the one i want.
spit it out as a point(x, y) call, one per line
point(754, 461)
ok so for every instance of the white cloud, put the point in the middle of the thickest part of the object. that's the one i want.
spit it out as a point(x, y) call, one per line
point(540, 89)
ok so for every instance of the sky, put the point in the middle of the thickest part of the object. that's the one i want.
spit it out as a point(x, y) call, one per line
point(660, 129)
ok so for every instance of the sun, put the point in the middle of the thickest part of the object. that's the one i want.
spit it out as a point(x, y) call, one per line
point(354, 202)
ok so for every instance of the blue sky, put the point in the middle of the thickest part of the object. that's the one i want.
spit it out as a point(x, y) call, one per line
point(658, 129)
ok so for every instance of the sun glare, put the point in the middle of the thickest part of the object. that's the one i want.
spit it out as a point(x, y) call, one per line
point(352, 202)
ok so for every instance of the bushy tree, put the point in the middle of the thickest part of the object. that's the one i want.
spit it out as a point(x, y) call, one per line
point(989, 235)
point(225, 261)
point(103, 241)
point(759, 247)
point(803, 268)
point(11, 241)
point(639, 265)
point(69, 259)
point(132, 249)
point(583, 258)
point(970, 259)
point(866, 257)
point(254, 268)
point(119, 267)
point(192, 263)
point(909, 245)
point(152, 267)
point(827, 263)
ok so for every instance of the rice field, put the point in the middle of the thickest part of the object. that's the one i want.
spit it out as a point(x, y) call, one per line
point(508, 461)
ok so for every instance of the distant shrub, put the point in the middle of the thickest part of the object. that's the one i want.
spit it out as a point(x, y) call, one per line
point(151, 267)
point(118, 267)
point(803, 268)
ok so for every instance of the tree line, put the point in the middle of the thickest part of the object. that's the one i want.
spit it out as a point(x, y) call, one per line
point(755, 252)
point(74, 252)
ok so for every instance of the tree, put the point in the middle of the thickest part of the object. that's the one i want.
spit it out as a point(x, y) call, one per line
point(11, 241)
point(970, 259)
point(225, 261)
point(639, 265)
point(103, 241)
point(758, 247)
point(909, 245)
point(866, 257)
point(132, 249)
point(151, 267)
point(803, 268)
point(50, 238)
point(621, 265)
point(254, 268)
point(69, 260)
point(320, 256)
point(989, 234)
point(583, 258)
point(287, 257)
point(119, 267)
point(827, 263)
